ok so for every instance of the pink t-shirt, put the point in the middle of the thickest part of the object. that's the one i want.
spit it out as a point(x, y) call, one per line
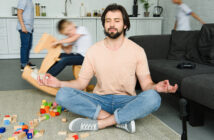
point(115, 70)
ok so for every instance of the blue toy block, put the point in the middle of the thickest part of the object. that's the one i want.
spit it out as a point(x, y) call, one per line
point(2, 129)
point(29, 135)
point(6, 122)
point(18, 129)
point(26, 131)
point(21, 123)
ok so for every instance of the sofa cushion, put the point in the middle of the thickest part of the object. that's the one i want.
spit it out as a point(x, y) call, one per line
point(199, 88)
point(182, 44)
point(166, 69)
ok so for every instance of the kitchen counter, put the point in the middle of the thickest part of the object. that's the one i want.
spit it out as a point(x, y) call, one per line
point(67, 17)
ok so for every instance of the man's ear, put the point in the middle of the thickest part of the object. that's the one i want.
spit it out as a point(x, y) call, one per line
point(125, 27)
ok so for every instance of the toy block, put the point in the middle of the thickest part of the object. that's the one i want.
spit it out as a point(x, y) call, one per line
point(24, 127)
point(6, 122)
point(11, 138)
point(21, 123)
point(57, 113)
point(64, 120)
point(47, 109)
point(42, 131)
point(70, 135)
point(45, 117)
point(84, 135)
point(42, 111)
point(44, 101)
point(45, 104)
point(35, 132)
point(42, 107)
point(29, 135)
point(26, 130)
point(14, 118)
point(55, 104)
point(76, 137)
point(59, 109)
point(70, 138)
point(62, 133)
point(50, 104)
point(7, 117)
point(2, 129)
point(21, 135)
point(39, 114)
point(52, 113)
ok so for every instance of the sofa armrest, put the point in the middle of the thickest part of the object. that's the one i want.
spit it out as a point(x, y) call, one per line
point(155, 46)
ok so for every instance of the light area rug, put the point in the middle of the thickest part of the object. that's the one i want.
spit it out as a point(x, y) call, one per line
point(26, 104)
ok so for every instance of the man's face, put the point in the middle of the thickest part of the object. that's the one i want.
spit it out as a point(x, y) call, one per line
point(69, 30)
point(114, 25)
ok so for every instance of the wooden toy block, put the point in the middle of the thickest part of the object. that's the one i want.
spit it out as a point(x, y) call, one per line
point(42, 107)
point(39, 134)
point(84, 135)
point(45, 117)
point(55, 104)
point(21, 135)
point(42, 131)
point(2, 129)
point(76, 137)
point(44, 101)
point(70, 135)
point(64, 120)
point(24, 127)
point(16, 127)
point(6, 122)
point(70, 138)
point(47, 109)
point(14, 118)
point(39, 114)
point(11, 138)
point(57, 113)
point(52, 113)
point(62, 133)
point(21, 123)
point(42, 111)
point(7, 117)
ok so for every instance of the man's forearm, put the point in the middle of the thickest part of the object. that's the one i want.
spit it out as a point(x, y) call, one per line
point(151, 85)
point(72, 84)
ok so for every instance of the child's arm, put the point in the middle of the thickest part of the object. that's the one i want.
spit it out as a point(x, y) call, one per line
point(197, 17)
point(67, 40)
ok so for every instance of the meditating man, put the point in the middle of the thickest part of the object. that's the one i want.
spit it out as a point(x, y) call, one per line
point(117, 63)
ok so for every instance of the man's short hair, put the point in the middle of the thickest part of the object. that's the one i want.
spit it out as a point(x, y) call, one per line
point(115, 7)
point(62, 24)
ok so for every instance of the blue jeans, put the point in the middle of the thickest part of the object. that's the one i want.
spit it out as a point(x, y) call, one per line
point(125, 108)
point(65, 59)
point(26, 45)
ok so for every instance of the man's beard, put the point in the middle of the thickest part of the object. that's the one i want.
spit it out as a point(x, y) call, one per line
point(112, 35)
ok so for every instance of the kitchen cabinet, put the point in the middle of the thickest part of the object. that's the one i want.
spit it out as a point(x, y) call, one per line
point(10, 38)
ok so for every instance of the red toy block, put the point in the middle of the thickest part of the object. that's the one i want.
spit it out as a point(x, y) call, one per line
point(76, 137)
point(57, 113)
point(42, 111)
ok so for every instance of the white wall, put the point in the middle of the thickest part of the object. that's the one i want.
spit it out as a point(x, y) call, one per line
point(56, 7)
point(203, 8)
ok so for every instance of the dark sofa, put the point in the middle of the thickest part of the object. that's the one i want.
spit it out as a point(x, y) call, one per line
point(195, 85)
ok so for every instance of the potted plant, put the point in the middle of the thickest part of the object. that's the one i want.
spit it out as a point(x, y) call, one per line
point(146, 6)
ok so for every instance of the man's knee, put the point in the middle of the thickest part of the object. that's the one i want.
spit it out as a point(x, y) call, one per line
point(63, 95)
point(153, 98)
